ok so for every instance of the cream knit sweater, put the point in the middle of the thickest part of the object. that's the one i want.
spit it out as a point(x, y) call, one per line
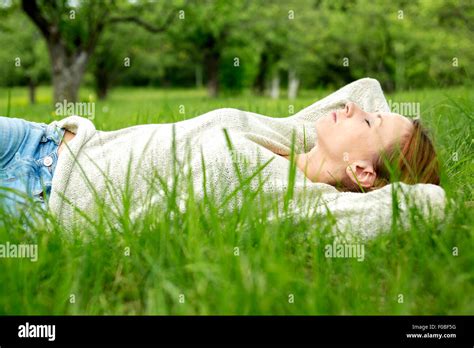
point(95, 164)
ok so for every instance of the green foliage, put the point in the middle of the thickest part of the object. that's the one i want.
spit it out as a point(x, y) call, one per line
point(402, 44)
point(24, 55)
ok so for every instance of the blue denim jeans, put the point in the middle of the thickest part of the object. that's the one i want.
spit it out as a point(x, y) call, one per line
point(28, 158)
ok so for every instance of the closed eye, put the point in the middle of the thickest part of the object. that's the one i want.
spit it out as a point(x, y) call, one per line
point(367, 122)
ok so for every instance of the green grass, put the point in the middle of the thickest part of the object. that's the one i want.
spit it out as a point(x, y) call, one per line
point(194, 255)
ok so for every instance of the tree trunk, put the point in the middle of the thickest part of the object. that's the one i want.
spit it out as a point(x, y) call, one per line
point(259, 84)
point(102, 88)
point(68, 70)
point(275, 87)
point(198, 75)
point(212, 69)
point(102, 82)
point(293, 84)
point(32, 91)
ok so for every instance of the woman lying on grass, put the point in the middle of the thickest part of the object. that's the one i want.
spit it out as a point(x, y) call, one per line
point(348, 140)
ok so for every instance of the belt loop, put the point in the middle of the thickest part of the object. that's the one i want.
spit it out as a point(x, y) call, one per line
point(54, 133)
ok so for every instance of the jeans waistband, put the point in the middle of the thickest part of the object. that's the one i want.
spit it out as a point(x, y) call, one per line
point(54, 133)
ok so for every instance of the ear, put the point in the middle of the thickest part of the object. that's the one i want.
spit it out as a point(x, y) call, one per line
point(363, 171)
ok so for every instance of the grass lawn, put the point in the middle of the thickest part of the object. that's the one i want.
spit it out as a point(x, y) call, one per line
point(187, 263)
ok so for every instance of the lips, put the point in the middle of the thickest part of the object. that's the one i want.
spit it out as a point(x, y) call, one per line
point(334, 116)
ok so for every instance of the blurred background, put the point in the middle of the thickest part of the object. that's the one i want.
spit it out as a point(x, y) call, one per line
point(260, 47)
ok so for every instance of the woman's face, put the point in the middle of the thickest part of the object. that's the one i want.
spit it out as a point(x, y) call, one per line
point(351, 134)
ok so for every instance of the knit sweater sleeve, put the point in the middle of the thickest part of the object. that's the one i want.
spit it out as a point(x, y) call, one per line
point(365, 215)
point(366, 92)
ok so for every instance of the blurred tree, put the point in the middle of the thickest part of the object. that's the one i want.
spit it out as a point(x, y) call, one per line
point(72, 31)
point(108, 59)
point(207, 28)
point(286, 33)
point(301, 51)
point(30, 59)
point(24, 62)
point(272, 31)
point(235, 45)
